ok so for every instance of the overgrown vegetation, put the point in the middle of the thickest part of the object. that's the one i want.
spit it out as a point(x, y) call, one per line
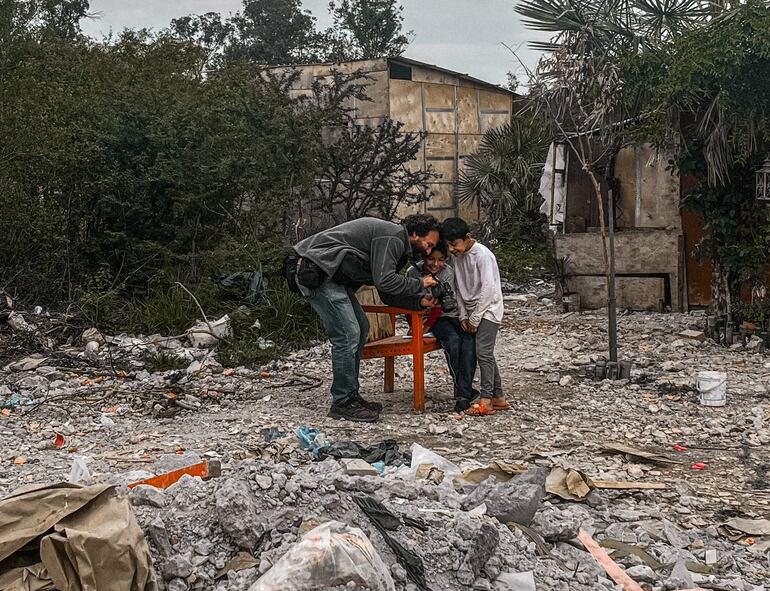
point(692, 77)
point(132, 164)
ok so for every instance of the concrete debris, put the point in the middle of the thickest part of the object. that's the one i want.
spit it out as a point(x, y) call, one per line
point(358, 467)
point(271, 494)
point(238, 513)
point(693, 335)
point(514, 501)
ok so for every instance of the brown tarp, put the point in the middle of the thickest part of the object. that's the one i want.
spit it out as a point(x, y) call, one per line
point(71, 538)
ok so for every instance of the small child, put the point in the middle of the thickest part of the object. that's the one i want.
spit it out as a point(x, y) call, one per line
point(480, 301)
point(459, 346)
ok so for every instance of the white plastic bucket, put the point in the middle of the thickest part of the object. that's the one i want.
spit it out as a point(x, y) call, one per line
point(712, 387)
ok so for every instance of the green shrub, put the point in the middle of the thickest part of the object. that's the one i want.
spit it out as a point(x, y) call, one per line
point(521, 262)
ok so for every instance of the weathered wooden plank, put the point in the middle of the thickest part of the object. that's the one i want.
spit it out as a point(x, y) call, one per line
point(379, 324)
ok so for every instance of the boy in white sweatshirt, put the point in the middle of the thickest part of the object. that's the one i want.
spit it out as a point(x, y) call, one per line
point(480, 301)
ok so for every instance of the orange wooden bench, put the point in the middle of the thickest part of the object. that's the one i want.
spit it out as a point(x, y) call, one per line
point(417, 346)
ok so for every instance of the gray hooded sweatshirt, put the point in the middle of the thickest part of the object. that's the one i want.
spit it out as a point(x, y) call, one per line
point(366, 251)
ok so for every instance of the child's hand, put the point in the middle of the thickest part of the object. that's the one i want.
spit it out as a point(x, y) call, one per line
point(427, 302)
point(468, 327)
point(428, 281)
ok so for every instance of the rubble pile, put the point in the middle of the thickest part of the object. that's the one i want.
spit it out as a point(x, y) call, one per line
point(677, 493)
point(251, 519)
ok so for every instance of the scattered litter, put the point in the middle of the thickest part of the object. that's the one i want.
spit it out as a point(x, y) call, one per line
point(655, 458)
point(752, 527)
point(429, 472)
point(85, 538)
point(386, 521)
point(615, 572)
point(16, 322)
point(79, 472)
point(698, 466)
point(203, 336)
point(570, 485)
point(332, 554)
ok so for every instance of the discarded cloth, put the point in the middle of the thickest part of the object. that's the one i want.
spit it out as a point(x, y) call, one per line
point(69, 537)
point(386, 451)
point(386, 521)
point(314, 441)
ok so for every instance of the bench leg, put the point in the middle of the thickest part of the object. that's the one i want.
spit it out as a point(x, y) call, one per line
point(418, 352)
point(389, 373)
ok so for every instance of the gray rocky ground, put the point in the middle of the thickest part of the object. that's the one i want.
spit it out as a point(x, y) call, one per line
point(128, 422)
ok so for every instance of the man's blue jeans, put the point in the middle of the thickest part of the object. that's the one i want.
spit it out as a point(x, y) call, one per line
point(347, 326)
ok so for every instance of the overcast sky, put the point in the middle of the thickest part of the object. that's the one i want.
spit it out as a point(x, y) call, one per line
point(462, 35)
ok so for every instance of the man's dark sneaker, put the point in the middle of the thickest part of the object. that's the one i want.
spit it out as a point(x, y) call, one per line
point(375, 406)
point(353, 410)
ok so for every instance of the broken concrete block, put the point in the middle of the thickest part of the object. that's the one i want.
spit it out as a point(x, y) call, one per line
point(514, 501)
point(238, 514)
point(147, 495)
point(159, 536)
point(692, 335)
point(675, 536)
point(482, 548)
point(358, 467)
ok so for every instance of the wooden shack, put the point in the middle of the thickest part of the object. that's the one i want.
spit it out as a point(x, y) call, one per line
point(651, 260)
point(453, 109)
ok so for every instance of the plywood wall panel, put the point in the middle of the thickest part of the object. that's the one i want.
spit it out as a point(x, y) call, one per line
point(406, 104)
point(468, 108)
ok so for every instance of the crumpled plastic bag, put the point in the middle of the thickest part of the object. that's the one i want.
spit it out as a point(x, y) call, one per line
point(333, 554)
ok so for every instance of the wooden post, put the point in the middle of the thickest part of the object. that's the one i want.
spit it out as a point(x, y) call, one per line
point(418, 350)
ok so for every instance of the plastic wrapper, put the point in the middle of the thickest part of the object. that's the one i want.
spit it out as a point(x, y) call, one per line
point(330, 555)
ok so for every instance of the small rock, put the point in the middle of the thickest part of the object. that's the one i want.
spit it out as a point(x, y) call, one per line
point(177, 585)
point(565, 381)
point(263, 482)
point(641, 573)
point(178, 566)
point(92, 350)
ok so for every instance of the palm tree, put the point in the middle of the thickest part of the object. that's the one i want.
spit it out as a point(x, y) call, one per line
point(503, 176)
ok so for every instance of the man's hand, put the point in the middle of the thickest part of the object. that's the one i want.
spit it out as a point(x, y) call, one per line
point(428, 281)
point(427, 302)
point(468, 327)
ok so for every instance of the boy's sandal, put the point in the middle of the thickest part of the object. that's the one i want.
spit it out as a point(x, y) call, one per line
point(479, 410)
point(501, 405)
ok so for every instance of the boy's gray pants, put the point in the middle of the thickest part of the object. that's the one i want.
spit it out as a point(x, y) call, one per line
point(491, 385)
